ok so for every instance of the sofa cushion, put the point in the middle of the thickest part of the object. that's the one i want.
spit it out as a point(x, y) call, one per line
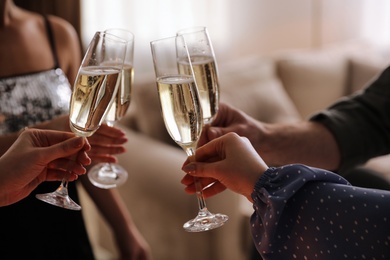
point(251, 85)
point(365, 67)
point(248, 84)
point(146, 116)
point(313, 79)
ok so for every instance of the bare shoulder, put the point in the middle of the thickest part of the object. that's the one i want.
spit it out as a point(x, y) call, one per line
point(62, 28)
point(68, 45)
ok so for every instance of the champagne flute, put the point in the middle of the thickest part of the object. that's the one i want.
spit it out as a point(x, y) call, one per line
point(182, 113)
point(93, 92)
point(110, 175)
point(205, 70)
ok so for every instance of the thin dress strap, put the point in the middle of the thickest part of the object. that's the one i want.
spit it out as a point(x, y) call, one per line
point(49, 31)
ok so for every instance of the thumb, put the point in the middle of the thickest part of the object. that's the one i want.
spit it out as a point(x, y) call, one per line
point(215, 132)
point(63, 149)
point(202, 170)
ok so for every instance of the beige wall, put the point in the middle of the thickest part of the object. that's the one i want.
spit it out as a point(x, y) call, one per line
point(266, 26)
point(239, 28)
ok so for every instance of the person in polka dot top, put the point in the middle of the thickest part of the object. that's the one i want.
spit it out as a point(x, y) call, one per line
point(339, 138)
point(300, 212)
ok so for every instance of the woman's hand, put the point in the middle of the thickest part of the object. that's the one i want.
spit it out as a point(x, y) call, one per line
point(105, 143)
point(229, 161)
point(38, 156)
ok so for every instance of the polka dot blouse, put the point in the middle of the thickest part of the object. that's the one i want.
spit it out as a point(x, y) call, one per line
point(309, 213)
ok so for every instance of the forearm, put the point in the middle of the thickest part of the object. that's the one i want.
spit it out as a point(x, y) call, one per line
point(360, 123)
point(305, 142)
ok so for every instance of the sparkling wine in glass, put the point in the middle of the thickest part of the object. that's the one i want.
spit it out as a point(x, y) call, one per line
point(182, 114)
point(93, 92)
point(205, 69)
point(111, 175)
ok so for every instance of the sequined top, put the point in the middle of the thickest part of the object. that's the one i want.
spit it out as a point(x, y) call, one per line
point(30, 99)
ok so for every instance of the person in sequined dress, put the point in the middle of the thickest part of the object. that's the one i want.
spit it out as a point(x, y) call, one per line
point(39, 56)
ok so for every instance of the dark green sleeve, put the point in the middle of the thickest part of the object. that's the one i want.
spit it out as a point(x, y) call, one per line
point(361, 122)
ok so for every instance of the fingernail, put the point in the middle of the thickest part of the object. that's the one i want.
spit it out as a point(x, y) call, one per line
point(212, 132)
point(190, 168)
point(78, 142)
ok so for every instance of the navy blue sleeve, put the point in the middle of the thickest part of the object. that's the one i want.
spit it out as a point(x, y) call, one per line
point(303, 212)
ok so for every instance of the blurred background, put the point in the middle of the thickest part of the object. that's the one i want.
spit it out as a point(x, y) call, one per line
point(237, 28)
point(289, 87)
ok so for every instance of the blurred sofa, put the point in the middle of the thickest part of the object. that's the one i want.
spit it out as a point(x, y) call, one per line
point(287, 86)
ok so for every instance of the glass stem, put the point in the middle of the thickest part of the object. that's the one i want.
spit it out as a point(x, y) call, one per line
point(110, 173)
point(63, 188)
point(110, 123)
point(199, 194)
point(198, 186)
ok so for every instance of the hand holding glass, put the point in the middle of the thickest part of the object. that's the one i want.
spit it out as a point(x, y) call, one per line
point(182, 113)
point(93, 92)
point(110, 175)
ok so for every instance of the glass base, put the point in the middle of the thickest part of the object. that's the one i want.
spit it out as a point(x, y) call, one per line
point(205, 221)
point(58, 199)
point(107, 175)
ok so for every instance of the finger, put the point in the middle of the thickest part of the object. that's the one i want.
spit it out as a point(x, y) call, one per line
point(189, 180)
point(215, 132)
point(97, 139)
point(83, 158)
point(213, 189)
point(104, 129)
point(208, 191)
point(58, 175)
point(203, 139)
point(109, 132)
point(222, 110)
point(190, 189)
point(87, 146)
point(62, 149)
point(72, 177)
point(103, 158)
point(99, 149)
point(53, 136)
point(211, 152)
point(67, 165)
